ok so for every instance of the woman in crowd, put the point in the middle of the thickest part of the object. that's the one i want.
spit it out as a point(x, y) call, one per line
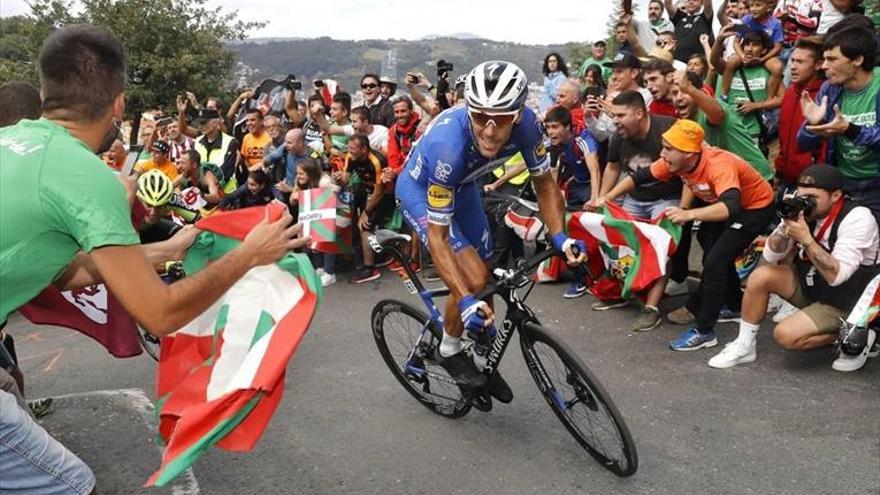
point(555, 71)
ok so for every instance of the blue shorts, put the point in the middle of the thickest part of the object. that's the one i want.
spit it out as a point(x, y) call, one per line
point(470, 227)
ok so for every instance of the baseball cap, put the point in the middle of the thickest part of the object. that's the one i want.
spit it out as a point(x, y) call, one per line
point(600, 42)
point(658, 52)
point(161, 146)
point(685, 135)
point(624, 61)
point(822, 177)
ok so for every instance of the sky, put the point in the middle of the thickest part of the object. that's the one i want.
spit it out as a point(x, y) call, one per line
point(522, 21)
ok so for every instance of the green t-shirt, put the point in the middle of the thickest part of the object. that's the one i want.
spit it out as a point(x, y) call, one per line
point(340, 141)
point(56, 198)
point(606, 71)
point(859, 107)
point(757, 78)
point(732, 136)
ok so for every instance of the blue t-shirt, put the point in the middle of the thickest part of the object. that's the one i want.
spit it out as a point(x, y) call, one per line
point(574, 155)
point(771, 26)
point(445, 157)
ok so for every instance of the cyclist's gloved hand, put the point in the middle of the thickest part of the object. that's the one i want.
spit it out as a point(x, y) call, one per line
point(476, 315)
point(575, 251)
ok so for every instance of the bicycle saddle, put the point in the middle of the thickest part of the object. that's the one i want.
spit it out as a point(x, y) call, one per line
point(386, 237)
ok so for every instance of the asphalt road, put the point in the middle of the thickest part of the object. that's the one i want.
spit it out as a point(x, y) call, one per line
point(785, 424)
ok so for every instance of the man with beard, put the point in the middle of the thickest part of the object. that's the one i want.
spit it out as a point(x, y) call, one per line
point(636, 145)
point(252, 145)
point(66, 221)
point(657, 78)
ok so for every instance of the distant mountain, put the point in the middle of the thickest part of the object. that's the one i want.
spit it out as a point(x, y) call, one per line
point(347, 60)
point(460, 36)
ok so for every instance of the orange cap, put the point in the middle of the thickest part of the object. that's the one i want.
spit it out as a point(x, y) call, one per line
point(685, 135)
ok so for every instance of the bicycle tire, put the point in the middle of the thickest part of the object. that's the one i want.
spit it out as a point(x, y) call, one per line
point(149, 343)
point(390, 315)
point(585, 390)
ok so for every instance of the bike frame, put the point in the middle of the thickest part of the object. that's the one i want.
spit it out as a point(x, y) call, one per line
point(509, 281)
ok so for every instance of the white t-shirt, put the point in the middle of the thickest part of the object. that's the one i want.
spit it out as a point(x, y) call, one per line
point(378, 138)
point(857, 243)
point(830, 16)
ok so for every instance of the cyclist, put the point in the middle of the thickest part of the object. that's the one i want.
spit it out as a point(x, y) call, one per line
point(440, 199)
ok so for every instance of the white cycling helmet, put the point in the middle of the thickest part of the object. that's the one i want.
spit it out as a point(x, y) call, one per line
point(496, 87)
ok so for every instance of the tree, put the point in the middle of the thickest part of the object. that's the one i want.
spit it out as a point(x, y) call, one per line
point(177, 45)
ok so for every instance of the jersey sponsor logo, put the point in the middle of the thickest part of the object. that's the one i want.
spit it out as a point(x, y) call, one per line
point(863, 119)
point(439, 218)
point(20, 148)
point(443, 171)
point(540, 151)
point(416, 171)
point(440, 197)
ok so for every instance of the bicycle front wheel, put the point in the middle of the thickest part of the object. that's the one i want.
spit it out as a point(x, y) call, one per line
point(399, 331)
point(149, 342)
point(579, 400)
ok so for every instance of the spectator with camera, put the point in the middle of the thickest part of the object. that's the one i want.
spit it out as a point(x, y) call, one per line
point(844, 113)
point(835, 245)
point(739, 206)
point(379, 106)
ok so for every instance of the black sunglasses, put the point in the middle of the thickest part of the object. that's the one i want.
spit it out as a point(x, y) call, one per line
point(369, 86)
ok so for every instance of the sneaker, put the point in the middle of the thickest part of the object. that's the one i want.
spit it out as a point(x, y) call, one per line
point(366, 274)
point(499, 388)
point(674, 288)
point(328, 279)
point(847, 362)
point(463, 370)
point(431, 275)
point(681, 316)
point(319, 271)
point(647, 320)
point(40, 407)
point(606, 305)
point(727, 315)
point(575, 290)
point(784, 311)
point(734, 353)
point(774, 303)
point(691, 340)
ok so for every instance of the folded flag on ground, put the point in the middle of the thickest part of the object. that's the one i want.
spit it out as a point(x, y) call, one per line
point(221, 376)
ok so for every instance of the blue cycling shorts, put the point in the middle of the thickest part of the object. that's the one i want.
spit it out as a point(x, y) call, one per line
point(470, 227)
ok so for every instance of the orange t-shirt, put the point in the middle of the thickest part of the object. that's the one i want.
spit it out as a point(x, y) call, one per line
point(252, 148)
point(168, 168)
point(718, 171)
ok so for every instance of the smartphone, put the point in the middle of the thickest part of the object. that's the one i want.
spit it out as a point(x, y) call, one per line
point(412, 78)
point(593, 91)
point(165, 121)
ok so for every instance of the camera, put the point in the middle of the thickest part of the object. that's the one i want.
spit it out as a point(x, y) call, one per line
point(292, 84)
point(791, 206)
point(443, 67)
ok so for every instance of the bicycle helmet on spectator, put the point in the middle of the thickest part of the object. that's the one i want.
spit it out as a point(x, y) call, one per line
point(154, 188)
point(496, 87)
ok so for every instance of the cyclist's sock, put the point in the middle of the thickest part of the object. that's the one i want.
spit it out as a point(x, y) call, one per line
point(449, 346)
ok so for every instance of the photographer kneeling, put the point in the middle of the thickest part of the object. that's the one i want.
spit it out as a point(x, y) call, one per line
point(836, 254)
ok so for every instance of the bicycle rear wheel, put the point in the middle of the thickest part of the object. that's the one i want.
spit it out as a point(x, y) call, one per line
point(579, 400)
point(410, 355)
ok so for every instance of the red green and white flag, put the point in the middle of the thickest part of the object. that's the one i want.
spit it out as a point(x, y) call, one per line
point(624, 255)
point(221, 376)
point(867, 309)
point(326, 219)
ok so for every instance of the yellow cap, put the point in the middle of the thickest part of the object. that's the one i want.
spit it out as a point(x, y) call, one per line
point(685, 135)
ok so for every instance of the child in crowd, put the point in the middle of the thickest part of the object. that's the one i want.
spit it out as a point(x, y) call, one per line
point(258, 191)
point(309, 176)
point(759, 18)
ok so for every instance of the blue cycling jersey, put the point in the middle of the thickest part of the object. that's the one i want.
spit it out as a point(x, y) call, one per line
point(445, 158)
point(574, 153)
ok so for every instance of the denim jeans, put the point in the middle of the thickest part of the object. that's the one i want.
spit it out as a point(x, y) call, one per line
point(647, 210)
point(34, 463)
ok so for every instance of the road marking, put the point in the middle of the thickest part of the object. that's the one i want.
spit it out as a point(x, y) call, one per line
point(137, 399)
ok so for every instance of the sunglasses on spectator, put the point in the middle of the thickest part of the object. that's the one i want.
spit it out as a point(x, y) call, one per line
point(497, 119)
point(369, 86)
